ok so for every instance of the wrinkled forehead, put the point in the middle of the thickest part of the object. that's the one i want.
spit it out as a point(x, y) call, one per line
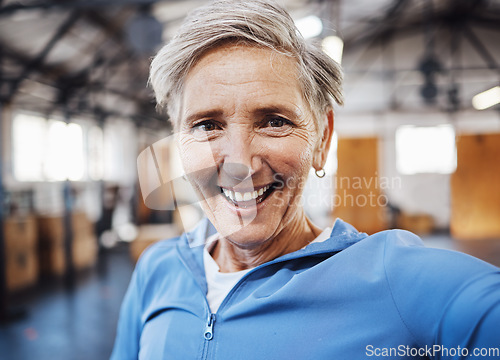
point(237, 57)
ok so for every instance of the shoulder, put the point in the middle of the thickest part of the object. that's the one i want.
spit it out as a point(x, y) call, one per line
point(427, 283)
point(168, 258)
point(159, 249)
point(407, 260)
point(403, 250)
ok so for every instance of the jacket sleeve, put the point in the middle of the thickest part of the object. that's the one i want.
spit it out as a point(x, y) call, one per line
point(472, 319)
point(126, 345)
point(447, 300)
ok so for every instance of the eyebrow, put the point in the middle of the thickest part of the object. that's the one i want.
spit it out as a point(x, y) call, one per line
point(259, 111)
point(278, 109)
point(203, 114)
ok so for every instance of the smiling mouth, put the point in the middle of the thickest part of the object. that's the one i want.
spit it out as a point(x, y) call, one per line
point(247, 199)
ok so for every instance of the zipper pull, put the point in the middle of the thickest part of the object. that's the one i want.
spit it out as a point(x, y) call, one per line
point(209, 330)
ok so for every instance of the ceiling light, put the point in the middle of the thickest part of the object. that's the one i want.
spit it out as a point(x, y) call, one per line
point(487, 98)
point(333, 46)
point(309, 26)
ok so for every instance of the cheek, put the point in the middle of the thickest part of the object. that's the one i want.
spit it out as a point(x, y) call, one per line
point(197, 158)
point(291, 157)
point(199, 169)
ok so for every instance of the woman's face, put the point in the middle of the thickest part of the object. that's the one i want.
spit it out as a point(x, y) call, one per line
point(247, 141)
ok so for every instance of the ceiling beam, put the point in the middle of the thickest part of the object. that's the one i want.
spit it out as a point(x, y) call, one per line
point(22, 59)
point(481, 49)
point(382, 25)
point(38, 60)
point(486, 21)
point(472, 11)
point(112, 27)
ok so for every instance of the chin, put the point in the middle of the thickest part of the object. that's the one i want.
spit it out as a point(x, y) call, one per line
point(250, 236)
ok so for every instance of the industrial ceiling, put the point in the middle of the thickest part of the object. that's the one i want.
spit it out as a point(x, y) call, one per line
point(92, 56)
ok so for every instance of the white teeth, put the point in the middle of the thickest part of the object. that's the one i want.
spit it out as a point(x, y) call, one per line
point(229, 194)
point(247, 196)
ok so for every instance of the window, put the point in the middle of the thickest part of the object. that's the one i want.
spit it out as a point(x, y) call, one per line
point(28, 134)
point(95, 146)
point(120, 152)
point(64, 151)
point(426, 149)
point(47, 150)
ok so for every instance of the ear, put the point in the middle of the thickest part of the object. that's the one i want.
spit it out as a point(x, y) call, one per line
point(323, 147)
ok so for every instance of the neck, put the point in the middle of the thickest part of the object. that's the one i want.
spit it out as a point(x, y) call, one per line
point(232, 257)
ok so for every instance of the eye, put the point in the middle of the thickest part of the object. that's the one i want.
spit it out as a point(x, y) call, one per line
point(206, 126)
point(206, 130)
point(278, 121)
point(275, 125)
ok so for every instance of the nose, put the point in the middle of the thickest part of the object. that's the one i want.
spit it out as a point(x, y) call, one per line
point(236, 171)
point(240, 160)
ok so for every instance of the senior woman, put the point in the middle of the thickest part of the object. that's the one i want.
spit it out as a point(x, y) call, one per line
point(251, 103)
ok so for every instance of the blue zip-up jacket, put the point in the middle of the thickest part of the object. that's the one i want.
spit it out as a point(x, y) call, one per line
point(351, 297)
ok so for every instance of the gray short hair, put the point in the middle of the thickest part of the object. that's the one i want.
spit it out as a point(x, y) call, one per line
point(254, 23)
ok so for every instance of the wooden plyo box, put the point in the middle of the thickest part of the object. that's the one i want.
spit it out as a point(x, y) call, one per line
point(22, 269)
point(421, 224)
point(52, 259)
point(475, 188)
point(84, 251)
point(51, 245)
point(359, 199)
point(21, 255)
point(20, 232)
point(52, 251)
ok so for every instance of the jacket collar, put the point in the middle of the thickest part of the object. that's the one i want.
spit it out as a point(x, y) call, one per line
point(342, 236)
point(192, 243)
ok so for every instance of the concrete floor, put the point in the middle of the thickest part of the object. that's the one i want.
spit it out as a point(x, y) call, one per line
point(62, 324)
point(80, 324)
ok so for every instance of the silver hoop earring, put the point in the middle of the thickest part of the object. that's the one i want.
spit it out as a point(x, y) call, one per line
point(320, 173)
